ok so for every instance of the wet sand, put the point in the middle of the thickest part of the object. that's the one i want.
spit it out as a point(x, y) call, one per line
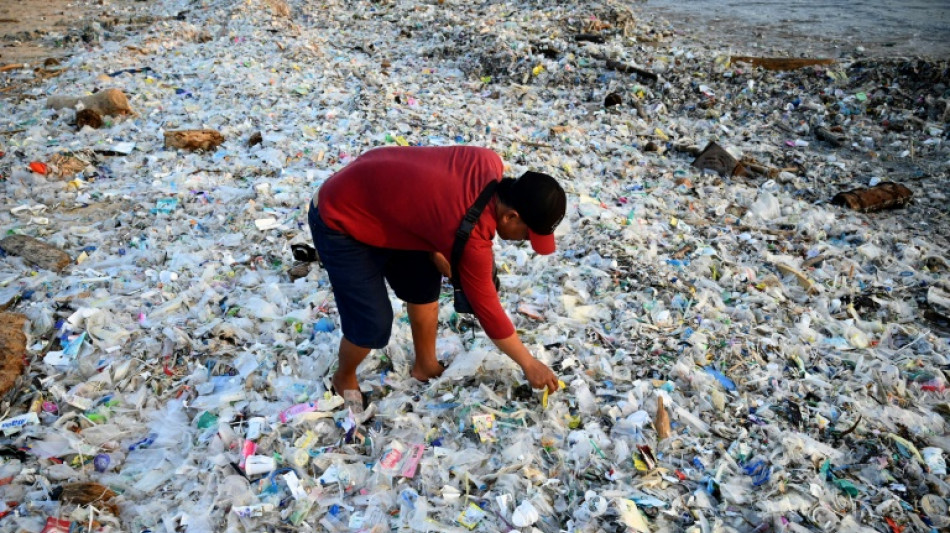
point(34, 30)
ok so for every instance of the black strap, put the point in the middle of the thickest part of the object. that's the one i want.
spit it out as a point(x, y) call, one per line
point(466, 227)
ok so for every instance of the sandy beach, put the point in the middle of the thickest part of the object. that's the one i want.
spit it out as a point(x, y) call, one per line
point(34, 30)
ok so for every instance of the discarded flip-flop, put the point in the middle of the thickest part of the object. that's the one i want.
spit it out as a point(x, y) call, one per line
point(304, 253)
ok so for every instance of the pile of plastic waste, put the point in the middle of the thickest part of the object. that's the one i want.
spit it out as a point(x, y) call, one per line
point(738, 353)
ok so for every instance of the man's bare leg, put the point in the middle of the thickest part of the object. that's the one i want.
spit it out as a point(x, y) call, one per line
point(350, 357)
point(424, 322)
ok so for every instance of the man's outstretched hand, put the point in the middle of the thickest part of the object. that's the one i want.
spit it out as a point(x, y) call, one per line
point(537, 373)
point(540, 376)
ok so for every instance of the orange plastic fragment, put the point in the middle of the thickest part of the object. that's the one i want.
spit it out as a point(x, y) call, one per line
point(39, 168)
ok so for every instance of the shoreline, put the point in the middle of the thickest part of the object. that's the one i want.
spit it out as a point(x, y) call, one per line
point(794, 29)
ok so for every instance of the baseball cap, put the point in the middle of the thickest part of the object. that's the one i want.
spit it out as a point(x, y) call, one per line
point(541, 204)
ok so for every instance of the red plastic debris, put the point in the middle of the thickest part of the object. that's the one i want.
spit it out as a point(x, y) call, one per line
point(55, 525)
point(39, 168)
point(894, 527)
point(934, 385)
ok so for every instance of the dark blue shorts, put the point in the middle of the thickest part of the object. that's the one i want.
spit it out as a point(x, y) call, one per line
point(357, 272)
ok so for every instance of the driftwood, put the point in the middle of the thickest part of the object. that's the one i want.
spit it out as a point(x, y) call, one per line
point(12, 349)
point(829, 136)
point(36, 252)
point(107, 102)
point(886, 195)
point(589, 38)
point(631, 69)
point(662, 420)
point(781, 63)
point(193, 139)
point(749, 163)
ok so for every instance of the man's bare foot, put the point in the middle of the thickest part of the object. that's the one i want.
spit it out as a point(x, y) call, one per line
point(425, 372)
point(344, 383)
point(349, 389)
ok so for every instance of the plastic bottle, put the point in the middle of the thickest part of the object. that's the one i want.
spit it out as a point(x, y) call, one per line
point(332, 520)
point(259, 464)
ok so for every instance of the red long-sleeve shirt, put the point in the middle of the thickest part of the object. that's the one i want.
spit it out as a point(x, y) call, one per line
point(414, 198)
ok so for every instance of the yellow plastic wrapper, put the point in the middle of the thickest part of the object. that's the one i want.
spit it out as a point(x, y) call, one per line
point(544, 398)
point(471, 516)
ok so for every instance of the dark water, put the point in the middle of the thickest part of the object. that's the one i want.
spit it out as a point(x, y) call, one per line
point(801, 27)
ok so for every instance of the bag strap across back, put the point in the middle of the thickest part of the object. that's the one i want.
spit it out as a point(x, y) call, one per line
point(465, 228)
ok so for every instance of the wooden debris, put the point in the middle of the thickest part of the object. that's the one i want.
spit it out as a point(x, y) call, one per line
point(717, 159)
point(89, 493)
point(589, 38)
point(830, 137)
point(662, 420)
point(299, 270)
point(44, 73)
point(814, 261)
point(279, 8)
point(687, 147)
point(594, 25)
point(107, 102)
point(686, 249)
point(137, 50)
point(852, 428)
point(13, 66)
point(885, 195)
point(749, 163)
point(193, 139)
point(781, 63)
point(66, 166)
point(631, 69)
point(36, 252)
point(255, 139)
point(88, 117)
point(808, 284)
point(12, 349)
